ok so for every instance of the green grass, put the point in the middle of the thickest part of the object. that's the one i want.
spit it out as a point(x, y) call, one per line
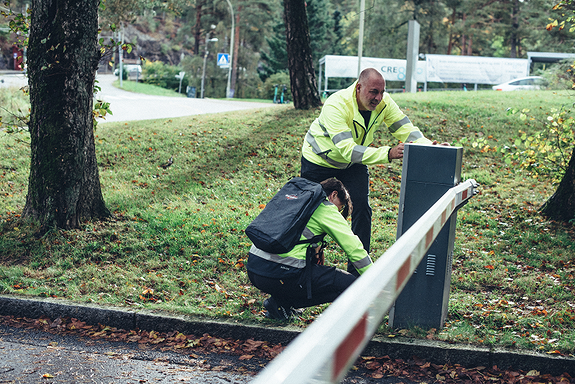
point(148, 89)
point(176, 242)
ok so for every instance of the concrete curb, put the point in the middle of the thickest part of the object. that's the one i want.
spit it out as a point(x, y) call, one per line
point(403, 348)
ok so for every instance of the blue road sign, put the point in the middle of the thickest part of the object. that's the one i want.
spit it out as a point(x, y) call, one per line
point(223, 60)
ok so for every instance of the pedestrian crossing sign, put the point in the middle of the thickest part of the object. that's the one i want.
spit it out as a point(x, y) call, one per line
point(223, 60)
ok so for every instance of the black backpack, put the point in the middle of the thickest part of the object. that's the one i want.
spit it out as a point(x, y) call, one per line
point(278, 228)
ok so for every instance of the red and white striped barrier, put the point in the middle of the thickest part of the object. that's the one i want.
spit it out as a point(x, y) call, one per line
point(325, 351)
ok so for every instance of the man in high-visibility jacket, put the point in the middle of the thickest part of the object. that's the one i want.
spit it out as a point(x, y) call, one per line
point(337, 142)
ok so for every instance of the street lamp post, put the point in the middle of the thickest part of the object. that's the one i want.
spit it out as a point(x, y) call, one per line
point(360, 42)
point(228, 95)
point(205, 59)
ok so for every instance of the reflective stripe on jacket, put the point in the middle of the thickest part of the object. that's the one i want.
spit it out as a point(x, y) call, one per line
point(325, 219)
point(338, 138)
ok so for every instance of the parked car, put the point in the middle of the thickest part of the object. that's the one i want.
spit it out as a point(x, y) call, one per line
point(523, 84)
point(132, 69)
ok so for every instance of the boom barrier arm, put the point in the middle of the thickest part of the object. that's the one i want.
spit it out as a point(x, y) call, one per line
point(325, 351)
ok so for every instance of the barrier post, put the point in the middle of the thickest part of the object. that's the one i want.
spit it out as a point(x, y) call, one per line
point(428, 172)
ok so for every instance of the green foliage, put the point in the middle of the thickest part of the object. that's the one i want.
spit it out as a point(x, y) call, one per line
point(567, 16)
point(559, 75)
point(545, 151)
point(162, 75)
point(321, 28)
point(147, 89)
point(269, 88)
point(548, 151)
point(274, 59)
point(19, 24)
point(14, 110)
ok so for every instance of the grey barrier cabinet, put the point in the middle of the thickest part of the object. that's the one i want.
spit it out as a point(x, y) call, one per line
point(428, 172)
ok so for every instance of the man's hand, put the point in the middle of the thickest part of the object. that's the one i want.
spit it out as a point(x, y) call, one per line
point(445, 144)
point(396, 152)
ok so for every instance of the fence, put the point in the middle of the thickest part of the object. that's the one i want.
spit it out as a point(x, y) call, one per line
point(324, 352)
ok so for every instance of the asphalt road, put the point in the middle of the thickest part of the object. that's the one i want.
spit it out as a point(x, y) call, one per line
point(30, 356)
point(33, 356)
point(127, 106)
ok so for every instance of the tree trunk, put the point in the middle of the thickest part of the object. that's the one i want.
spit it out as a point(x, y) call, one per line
point(198, 28)
point(450, 43)
point(514, 40)
point(64, 184)
point(236, 51)
point(561, 206)
point(302, 75)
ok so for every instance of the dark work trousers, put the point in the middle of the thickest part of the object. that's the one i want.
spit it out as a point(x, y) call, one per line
point(356, 180)
point(327, 283)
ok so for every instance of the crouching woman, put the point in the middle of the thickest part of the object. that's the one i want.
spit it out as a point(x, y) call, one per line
point(287, 279)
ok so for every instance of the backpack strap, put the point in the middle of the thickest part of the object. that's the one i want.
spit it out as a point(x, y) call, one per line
point(314, 242)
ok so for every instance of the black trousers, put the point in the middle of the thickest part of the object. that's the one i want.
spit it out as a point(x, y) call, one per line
point(356, 180)
point(327, 283)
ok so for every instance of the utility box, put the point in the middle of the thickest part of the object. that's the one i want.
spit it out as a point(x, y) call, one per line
point(191, 91)
point(428, 172)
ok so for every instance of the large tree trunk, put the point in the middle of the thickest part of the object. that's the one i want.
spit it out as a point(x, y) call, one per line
point(64, 185)
point(302, 74)
point(561, 206)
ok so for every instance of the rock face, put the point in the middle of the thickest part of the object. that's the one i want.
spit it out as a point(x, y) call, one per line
point(160, 45)
point(152, 46)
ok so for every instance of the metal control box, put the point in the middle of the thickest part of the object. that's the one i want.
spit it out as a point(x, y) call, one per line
point(428, 172)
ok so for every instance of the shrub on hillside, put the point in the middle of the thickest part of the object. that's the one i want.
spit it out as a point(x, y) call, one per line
point(269, 88)
point(163, 75)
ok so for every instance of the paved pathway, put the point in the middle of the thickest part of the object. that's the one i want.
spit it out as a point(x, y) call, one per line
point(128, 106)
point(134, 106)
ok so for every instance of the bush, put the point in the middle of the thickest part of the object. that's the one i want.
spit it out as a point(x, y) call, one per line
point(279, 79)
point(560, 75)
point(163, 75)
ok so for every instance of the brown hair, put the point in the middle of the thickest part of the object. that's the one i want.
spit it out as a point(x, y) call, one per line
point(333, 184)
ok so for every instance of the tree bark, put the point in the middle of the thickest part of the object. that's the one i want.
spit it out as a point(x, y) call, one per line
point(198, 28)
point(64, 184)
point(561, 206)
point(514, 39)
point(236, 52)
point(302, 75)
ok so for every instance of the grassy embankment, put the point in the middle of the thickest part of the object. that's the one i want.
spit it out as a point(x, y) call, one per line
point(176, 241)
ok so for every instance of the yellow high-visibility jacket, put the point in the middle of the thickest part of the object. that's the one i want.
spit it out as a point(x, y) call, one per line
point(338, 138)
point(325, 219)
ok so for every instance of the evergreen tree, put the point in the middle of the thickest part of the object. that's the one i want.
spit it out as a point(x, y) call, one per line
point(321, 31)
point(274, 59)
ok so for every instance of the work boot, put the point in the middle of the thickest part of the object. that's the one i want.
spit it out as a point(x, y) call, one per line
point(276, 311)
